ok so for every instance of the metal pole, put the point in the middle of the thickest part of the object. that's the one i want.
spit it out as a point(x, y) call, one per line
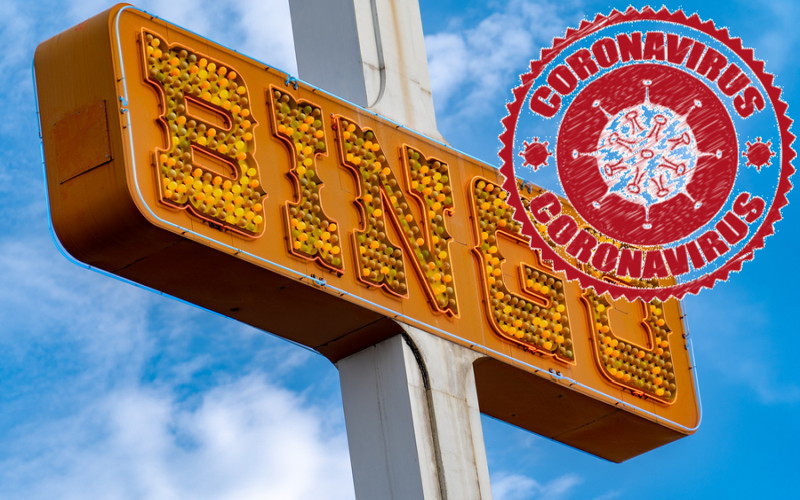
point(370, 52)
point(413, 423)
point(410, 402)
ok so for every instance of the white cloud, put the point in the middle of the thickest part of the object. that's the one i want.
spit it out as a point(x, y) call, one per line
point(444, 51)
point(260, 29)
point(735, 343)
point(518, 487)
point(16, 36)
point(609, 495)
point(759, 376)
point(780, 41)
point(111, 401)
point(112, 392)
point(513, 487)
point(245, 440)
point(267, 31)
point(17, 39)
point(473, 68)
point(42, 294)
point(186, 13)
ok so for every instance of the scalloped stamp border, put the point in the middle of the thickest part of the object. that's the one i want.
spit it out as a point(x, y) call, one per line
point(672, 149)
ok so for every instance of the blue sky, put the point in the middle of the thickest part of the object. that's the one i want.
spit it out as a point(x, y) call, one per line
point(111, 391)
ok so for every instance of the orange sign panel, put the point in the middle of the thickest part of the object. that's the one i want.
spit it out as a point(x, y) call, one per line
point(192, 169)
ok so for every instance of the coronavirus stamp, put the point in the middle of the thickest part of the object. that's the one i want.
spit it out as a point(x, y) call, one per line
point(664, 151)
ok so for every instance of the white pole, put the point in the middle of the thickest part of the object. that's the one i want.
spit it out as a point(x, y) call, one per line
point(413, 423)
point(370, 52)
point(410, 402)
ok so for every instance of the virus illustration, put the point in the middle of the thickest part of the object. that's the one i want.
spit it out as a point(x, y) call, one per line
point(647, 153)
point(535, 153)
point(758, 154)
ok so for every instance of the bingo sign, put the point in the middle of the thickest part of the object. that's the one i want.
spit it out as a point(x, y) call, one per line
point(668, 138)
point(182, 165)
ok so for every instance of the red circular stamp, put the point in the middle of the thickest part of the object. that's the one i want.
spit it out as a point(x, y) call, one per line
point(663, 148)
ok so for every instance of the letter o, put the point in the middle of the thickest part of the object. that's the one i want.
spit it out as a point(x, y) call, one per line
point(562, 230)
point(562, 80)
point(605, 257)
